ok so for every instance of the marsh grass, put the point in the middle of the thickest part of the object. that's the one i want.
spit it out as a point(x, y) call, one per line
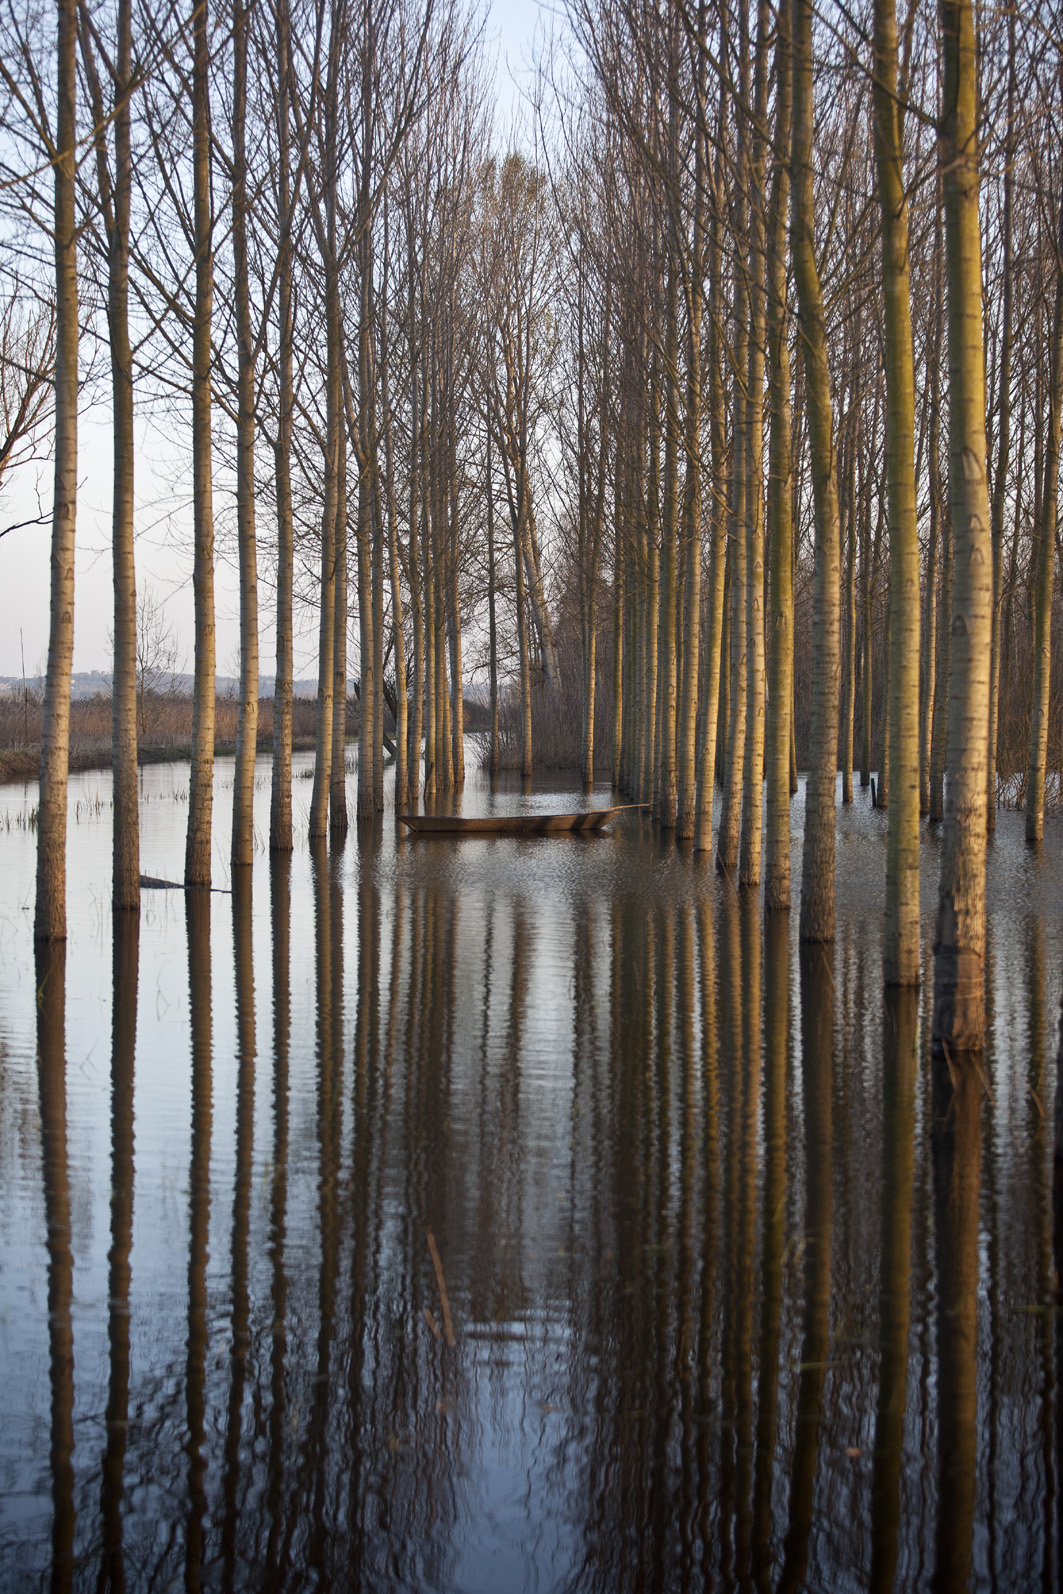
point(168, 733)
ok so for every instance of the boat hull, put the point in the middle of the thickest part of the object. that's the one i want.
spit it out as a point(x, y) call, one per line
point(509, 824)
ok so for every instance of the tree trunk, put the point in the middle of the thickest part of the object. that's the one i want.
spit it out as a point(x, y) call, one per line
point(1045, 551)
point(1000, 475)
point(414, 566)
point(49, 922)
point(363, 436)
point(201, 779)
point(753, 779)
point(114, 202)
point(648, 518)
point(431, 749)
point(939, 528)
point(864, 499)
point(339, 822)
point(401, 703)
point(377, 526)
point(848, 474)
point(780, 523)
point(817, 885)
point(933, 562)
point(457, 705)
point(665, 776)
point(731, 813)
point(710, 674)
point(492, 620)
point(280, 807)
point(959, 994)
point(619, 660)
point(243, 830)
point(901, 946)
point(319, 798)
point(525, 661)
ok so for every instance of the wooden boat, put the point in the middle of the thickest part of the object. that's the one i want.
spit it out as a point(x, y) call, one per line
point(512, 824)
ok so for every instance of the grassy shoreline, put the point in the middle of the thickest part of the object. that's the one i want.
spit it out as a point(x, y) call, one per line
point(165, 731)
point(24, 763)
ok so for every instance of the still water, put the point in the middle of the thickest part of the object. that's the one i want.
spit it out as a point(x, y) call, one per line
point(517, 1214)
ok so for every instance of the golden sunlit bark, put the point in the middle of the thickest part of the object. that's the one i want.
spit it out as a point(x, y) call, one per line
point(1045, 555)
point(901, 945)
point(817, 884)
point(780, 491)
point(959, 1006)
point(49, 922)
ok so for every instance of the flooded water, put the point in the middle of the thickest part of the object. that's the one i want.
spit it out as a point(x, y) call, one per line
point(517, 1214)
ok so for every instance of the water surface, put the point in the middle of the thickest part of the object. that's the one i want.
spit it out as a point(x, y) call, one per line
point(517, 1213)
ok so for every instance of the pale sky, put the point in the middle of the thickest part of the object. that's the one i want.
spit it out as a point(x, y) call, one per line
point(163, 548)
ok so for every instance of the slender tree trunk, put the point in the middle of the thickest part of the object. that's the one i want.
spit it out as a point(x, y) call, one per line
point(1045, 555)
point(901, 946)
point(1000, 475)
point(362, 425)
point(959, 994)
point(585, 585)
point(651, 598)
point(939, 525)
point(414, 566)
point(780, 524)
point(536, 590)
point(115, 205)
point(339, 822)
point(710, 674)
point(665, 782)
point(457, 706)
point(723, 716)
point(731, 814)
point(926, 719)
point(867, 640)
point(686, 740)
point(619, 660)
point(280, 808)
point(492, 619)
point(367, 726)
point(687, 747)
point(431, 781)
point(50, 913)
point(319, 799)
point(243, 830)
point(526, 762)
point(378, 626)
point(401, 703)
point(941, 684)
point(817, 885)
point(201, 780)
point(884, 763)
point(445, 754)
point(753, 782)
point(848, 474)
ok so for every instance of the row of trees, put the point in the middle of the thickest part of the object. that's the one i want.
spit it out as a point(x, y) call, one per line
point(675, 381)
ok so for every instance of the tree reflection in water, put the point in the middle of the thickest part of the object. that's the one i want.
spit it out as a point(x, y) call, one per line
point(51, 1083)
point(605, 1240)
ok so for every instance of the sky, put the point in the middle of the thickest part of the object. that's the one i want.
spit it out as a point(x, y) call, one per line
point(163, 491)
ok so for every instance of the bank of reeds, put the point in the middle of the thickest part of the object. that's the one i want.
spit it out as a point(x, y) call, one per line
point(165, 732)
